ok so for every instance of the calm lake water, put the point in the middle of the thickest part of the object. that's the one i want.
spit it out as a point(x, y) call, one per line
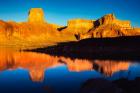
point(30, 72)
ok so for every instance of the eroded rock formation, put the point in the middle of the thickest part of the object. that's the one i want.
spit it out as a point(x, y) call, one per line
point(34, 33)
point(111, 19)
point(80, 25)
point(109, 26)
point(37, 33)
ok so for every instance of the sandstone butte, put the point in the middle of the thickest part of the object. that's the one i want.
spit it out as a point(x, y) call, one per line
point(36, 32)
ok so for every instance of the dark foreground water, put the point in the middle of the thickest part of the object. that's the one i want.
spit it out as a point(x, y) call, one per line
point(30, 72)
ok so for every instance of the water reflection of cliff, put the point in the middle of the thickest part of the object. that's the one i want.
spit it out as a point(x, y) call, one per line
point(37, 63)
point(109, 67)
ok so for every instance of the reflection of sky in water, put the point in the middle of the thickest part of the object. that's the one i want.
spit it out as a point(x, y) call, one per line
point(58, 79)
point(132, 72)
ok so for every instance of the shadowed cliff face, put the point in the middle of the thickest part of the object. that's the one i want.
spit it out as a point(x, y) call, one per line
point(37, 63)
point(37, 33)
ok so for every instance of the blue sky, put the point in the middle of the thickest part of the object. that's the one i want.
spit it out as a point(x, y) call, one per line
point(59, 11)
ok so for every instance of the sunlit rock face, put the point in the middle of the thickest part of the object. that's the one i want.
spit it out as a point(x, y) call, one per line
point(109, 26)
point(36, 15)
point(36, 33)
point(109, 31)
point(111, 19)
point(80, 25)
point(106, 26)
